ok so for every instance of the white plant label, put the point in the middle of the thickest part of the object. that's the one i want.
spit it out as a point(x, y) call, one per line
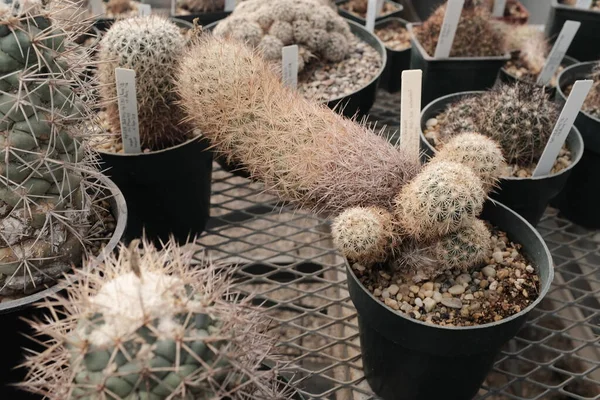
point(96, 7)
point(229, 5)
point(566, 36)
point(128, 112)
point(499, 7)
point(289, 66)
point(453, 11)
point(173, 7)
point(410, 113)
point(144, 10)
point(372, 8)
point(562, 128)
point(584, 4)
point(380, 4)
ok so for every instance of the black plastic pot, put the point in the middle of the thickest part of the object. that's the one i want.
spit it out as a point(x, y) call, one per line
point(579, 199)
point(529, 197)
point(12, 312)
point(397, 61)
point(167, 191)
point(507, 77)
point(424, 8)
point(406, 359)
point(454, 74)
point(584, 46)
point(357, 18)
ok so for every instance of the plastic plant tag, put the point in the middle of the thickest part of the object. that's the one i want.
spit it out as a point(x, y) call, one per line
point(566, 36)
point(372, 8)
point(499, 7)
point(96, 7)
point(453, 11)
point(173, 7)
point(380, 4)
point(289, 66)
point(128, 112)
point(144, 10)
point(562, 128)
point(584, 4)
point(229, 5)
point(410, 112)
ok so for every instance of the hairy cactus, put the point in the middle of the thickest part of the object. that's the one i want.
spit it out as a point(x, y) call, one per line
point(475, 35)
point(201, 6)
point(44, 207)
point(533, 54)
point(459, 117)
point(476, 151)
point(440, 200)
point(273, 131)
point(272, 24)
point(364, 234)
point(151, 46)
point(148, 325)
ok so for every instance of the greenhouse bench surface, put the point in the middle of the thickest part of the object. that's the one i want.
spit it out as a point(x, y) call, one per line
point(286, 257)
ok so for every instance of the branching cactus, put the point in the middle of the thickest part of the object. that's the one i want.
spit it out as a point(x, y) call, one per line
point(148, 325)
point(44, 206)
point(152, 47)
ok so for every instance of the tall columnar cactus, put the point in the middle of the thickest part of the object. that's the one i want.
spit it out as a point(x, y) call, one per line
point(44, 208)
point(148, 325)
point(152, 47)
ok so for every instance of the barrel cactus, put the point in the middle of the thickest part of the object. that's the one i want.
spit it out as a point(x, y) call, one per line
point(148, 325)
point(44, 207)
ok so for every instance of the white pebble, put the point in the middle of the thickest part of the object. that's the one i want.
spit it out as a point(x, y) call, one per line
point(385, 294)
point(427, 286)
point(428, 293)
point(431, 122)
point(494, 285)
point(489, 271)
point(414, 289)
point(463, 278)
point(452, 303)
point(377, 292)
point(437, 296)
point(469, 296)
point(406, 307)
point(429, 304)
point(393, 289)
point(498, 257)
point(456, 289)
point(418, 302)
point(392, 303)
point(529, 269)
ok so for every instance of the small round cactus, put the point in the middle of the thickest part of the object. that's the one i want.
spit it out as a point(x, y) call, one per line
point(459, 117)
point(364, 234)
point(440, 200)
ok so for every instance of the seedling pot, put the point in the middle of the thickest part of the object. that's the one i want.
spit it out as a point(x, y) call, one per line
point(579, 199)
point(424, 8)
point(406, 359)
point(167, 191)
point(12, 312)
point(357, 18)
point(454, 74)
point(582, 47)
point(529, 197)
point(397, 61)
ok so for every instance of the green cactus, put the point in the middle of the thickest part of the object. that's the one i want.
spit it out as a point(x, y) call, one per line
point(146, 325)
point(152, 47)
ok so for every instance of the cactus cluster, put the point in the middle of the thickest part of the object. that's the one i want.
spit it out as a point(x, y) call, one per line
point(148, 325)
point(44, 103)
point(475, 34)
point(151, 46)
point(269, 25)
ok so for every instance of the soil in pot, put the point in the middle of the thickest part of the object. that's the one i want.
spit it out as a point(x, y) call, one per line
point(394, 36)
point(592, 101)
point(358, 8)
point(595, 4)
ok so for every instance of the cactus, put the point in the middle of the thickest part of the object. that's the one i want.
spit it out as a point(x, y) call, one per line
point(476, 151)
point(475, 35)
point(533, 54)
point(201, 6)
point(147, 325)
point(459, 118)
point(271, 24)
point(273, 131)
point(152, 47)
point(44, 204)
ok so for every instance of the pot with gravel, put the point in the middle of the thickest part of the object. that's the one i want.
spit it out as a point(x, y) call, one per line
point(394, 35)
point(578, 200)
point(476, 56)
point(356, 10)
point(521, 118)
point(515, 13)
point(167, 179)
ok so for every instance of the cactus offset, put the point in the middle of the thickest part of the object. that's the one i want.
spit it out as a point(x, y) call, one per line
point(151, 46)
point(148, 325)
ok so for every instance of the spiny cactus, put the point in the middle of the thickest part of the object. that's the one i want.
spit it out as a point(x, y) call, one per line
point(516, 36)
point(481, 154)
point(274, 132)
point(44, 205)
point(533, 54)
point(148, 325)
point(151, 46)
point(364, 234)
point(272, 24)
point(475, 35)
point(458, 117)
point(440, 200)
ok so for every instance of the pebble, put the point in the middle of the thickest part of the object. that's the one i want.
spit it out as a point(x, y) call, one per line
point(456, 289)
point(385, 294)
point(431, 122)
point(469, 296)
point(406, 307)
point(498, 257)
point(414, 289)
point(427, 286)
point(377, 292)
point(489, 271)
point(463, 278)
point(393, 289)
point(452, 302)
point(359, 267)
point(529, 269)
point(437, 297)
point(394, 37)
point(494, 285)
point(503, 273)
point(418, 302)
point(392, 303)
point(429, 304)
point(417, 314)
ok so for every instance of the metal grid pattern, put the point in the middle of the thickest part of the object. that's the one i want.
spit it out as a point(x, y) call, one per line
point(287, 258)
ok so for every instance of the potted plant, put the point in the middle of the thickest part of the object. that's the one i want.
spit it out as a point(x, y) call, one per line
point(521, 118)
point(424, 8)
point(576, 201)
point(55, 207)
point(392, 218)
point(476, 55)
point(589, 31)
point(356, 10)
point(394, 35)
point(167, 184)
point(148, 324)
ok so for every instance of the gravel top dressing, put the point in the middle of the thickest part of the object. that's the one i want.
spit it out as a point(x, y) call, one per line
point(359, 8)
point(394, 36)
point(517, 68)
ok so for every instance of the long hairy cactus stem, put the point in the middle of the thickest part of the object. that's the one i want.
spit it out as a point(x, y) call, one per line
point(148, 325)
point(304, 152)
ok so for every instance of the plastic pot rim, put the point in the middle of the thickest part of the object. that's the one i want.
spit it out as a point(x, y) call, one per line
point(417, 45)
point(388, 20)
point(561, 6)
point(505, 71)
point(150, 153)
point(121, 221)
point(562, 94)
point(399, 9)
point(574, 131)
point(172, 18)
point(542, 294)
